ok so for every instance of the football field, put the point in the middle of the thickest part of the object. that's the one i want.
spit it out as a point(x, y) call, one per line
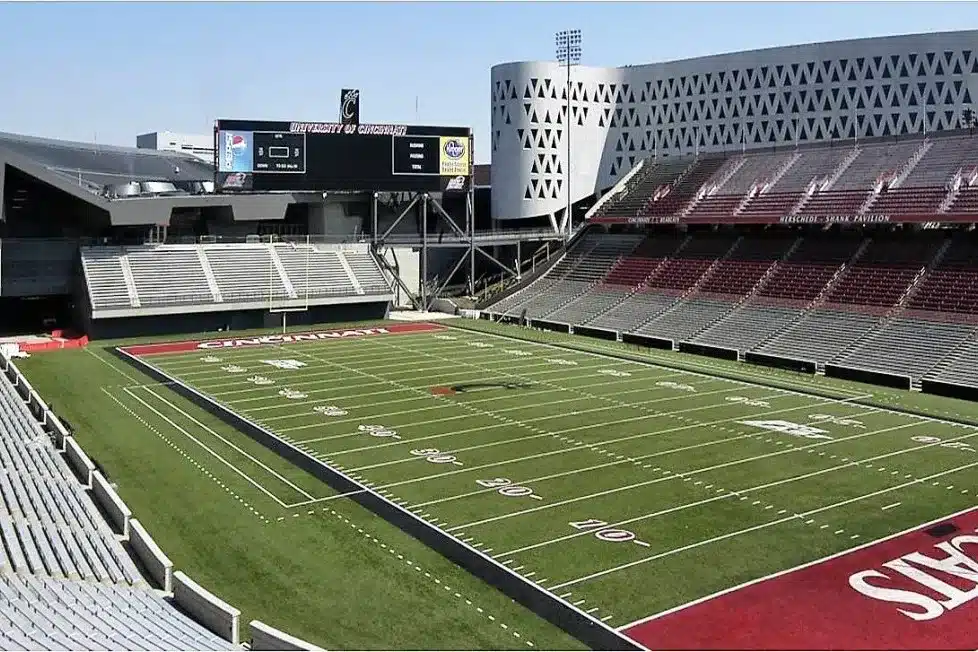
point(625, 489)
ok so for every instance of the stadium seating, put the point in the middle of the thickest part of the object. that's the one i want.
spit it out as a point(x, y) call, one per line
point(820, 335)
point(884, 272)
point(906, 346)
point(140, 276)
point(952, 285)
point(65, 581)
point(684, 188)
point(958, 367)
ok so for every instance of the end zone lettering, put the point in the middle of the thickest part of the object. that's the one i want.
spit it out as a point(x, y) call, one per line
point(283, 339)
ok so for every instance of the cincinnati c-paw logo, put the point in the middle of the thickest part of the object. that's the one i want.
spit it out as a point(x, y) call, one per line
point(349, 103)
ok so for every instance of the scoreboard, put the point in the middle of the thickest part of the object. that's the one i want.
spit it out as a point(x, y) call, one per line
point(323, 156)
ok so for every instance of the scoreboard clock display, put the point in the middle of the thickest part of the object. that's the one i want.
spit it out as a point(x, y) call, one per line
point(315, 156)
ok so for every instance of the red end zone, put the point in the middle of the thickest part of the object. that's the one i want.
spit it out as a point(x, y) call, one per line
point(265, 340)
point(915, 591)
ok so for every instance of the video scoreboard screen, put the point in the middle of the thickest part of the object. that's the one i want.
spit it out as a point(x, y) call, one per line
point(323, 156)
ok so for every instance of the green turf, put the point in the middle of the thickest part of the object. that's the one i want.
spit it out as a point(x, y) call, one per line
point(648, 489)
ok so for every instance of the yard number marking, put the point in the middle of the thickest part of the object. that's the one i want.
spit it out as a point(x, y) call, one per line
point(828, 418)
point(435, 456)
point(614, 372)
point(748, 401)
point(604, 533)
point(329, 410)
point(505, 487)
point(378, 431)
point(957, 445)
point(671, 385)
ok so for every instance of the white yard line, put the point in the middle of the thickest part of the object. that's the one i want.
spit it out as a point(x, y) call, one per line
point(244, 475)
point(417, 397)
point(684, 474)
point(762, 526)
point(494, 399)
point(542, 433)
point(393, 381)
point(612, 355)
point(234, 446)
point(517, 422)
point(307, 376)
point(111, 366)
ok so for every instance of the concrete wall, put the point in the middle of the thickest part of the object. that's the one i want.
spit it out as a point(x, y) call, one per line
point(779, 96)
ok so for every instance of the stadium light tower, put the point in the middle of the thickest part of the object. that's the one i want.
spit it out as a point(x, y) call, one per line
point(568, 54)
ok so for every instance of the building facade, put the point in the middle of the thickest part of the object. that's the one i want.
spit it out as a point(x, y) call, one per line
point(199, 145)
point(843, 90)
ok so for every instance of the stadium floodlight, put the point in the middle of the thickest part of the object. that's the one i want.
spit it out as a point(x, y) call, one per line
point(569, 51)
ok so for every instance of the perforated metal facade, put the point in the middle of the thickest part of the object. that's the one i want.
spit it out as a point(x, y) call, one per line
point(779, 96)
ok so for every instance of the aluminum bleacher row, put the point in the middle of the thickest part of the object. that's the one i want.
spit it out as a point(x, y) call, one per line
point(142, 277)
point(66, 583)
point(899, 302)
point(917, 175)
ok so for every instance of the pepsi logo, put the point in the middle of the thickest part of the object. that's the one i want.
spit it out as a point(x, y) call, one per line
point(454, 149)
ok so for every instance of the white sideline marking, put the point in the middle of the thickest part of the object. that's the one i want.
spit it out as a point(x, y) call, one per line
point(523, 422)
point(426, 397)
point(441, 405)
point(471, 548)
point(310, 377)
point(891, 506)
point(673, 476)
point(627, 460)
point(388, 381)
point(589, 427)
point(787, 571)
point(206, 448)
point(453, 405)
point(701, 374)
point(246, 454)
point(762, 526)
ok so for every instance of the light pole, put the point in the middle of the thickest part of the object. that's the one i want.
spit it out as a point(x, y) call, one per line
point(568, 54)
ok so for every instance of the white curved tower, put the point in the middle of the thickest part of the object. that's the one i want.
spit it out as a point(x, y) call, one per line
point(840, 90)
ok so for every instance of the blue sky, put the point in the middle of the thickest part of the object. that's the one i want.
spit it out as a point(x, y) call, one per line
point(114, 70)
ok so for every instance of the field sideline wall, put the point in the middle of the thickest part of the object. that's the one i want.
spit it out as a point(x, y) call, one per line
point(237, 320)
point(572, 620)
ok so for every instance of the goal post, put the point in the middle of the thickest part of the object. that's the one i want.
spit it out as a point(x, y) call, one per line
point(282, 307)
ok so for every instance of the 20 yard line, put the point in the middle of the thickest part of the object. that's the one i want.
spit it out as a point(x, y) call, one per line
point(762, 526)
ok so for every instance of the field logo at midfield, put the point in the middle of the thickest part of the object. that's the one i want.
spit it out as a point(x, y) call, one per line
point(285, 339)
point(285, 364)
point(789, 428)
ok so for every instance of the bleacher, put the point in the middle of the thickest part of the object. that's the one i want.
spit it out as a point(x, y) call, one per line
point(66, 583)
point(142, 277)
point(899, 300)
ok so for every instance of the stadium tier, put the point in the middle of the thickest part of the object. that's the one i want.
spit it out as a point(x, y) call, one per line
point(133, 281)
point(917, 178)
point(65, 580)
point(896, 302)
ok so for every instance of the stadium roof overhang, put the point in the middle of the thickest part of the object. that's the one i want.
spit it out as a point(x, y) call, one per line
point(155, 210)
